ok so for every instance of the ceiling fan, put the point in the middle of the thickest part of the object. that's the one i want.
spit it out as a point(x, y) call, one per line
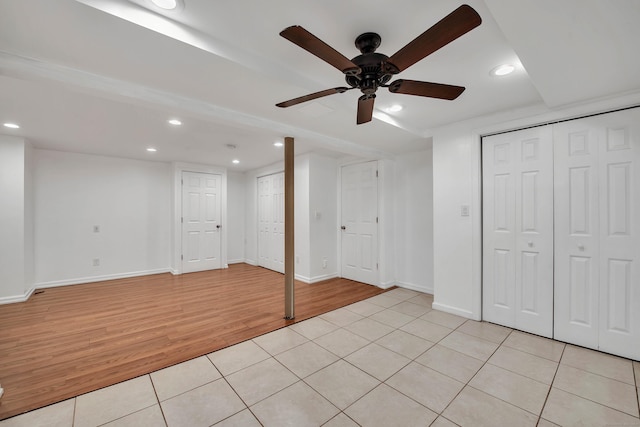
point(370, 70)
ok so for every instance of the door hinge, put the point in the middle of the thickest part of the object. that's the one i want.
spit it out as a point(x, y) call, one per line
point(181, 220)
point(376, 220)
point(181, 181)
point(376, 174)
point(376, 265)
point(181, 257)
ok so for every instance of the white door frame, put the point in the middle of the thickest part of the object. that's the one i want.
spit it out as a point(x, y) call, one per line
point(178, 168)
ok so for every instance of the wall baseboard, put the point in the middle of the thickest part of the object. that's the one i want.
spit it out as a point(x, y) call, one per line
point(92, 279)
point(251, 262)
point(17, 298)
point(417, 288)
point(453, 310)
point(236, 261)
point(387, 285)
point(317, 279)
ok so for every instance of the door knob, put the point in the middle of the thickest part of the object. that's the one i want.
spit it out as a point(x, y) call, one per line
point(343, 227)
point(530, 243)
point(581, 247)
point(218, 226)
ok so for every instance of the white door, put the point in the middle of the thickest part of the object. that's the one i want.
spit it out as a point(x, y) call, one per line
point(518, 230)
point(359, 227)
point(271, 222)
point(201, 211)
point(598, 282)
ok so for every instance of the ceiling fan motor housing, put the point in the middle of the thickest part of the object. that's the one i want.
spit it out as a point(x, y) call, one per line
point(375, 70)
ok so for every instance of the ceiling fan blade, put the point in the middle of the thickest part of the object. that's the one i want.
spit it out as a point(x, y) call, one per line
point(365, 108)
point(457, 23)
point(303, 38)
point(431, 90)
point(311, 96)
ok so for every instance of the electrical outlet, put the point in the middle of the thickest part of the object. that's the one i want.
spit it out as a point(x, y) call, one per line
point(96, 262)
point(324, 262)
point(464, 210)
point(297, 259)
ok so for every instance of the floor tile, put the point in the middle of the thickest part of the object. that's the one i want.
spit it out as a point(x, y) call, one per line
point(405, 344)
point(56, 415)
point(422, 299)
point(279, 341)
point(426, 386)
point(567, 409)
point(450, 362)
point(443, 422)
point(426, 330)
point(486, 331)
point(538, 346)
point(241, 419)
point(202, 406)
point(608, 392)
point(364, 308)
point(392, 318)
point(387, 407)
point(475, 408)
point(306, 359)
point(369, 329)
point(544, 423)
point(261, 380)
point(377, 361)
point(443, 319)
point(237, 357)
point(383, 300)
point(297, 405)
point(341, 342)
point(340, 420)
point(172, 381)
point(110, 403)
point(520, 391)
point(469, 345)
point(149, 417)
point(411, 309)
point(402, 294)
point(599, 363)
point(313, 328)
point(534, 367)
point(342, 383)
point(341, 317)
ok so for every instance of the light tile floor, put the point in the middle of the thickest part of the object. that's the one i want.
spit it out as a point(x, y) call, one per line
point(387, 361)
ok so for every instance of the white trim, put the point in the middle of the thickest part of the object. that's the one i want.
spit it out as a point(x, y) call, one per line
point(91, 279)
point(322, 277)
point(236, 261)
point(17, 298)
point(418, 288)
point(387, 285)
point(251, 262)
point(454, 310)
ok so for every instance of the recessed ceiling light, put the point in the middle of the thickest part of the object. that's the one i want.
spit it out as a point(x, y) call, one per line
point(278, 144)
point(12, 126)
point(503, 70)
point(175, 122)
point(395, 108)
point(166, 4)
point(151, 150)
point(235, 161)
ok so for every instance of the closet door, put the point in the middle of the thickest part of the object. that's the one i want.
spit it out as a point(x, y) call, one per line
point(597, 283)
point(577, 266)
point(271, 222)
point(518, 230)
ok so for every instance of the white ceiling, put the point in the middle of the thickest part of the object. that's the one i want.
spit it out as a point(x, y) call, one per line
point(103, 76)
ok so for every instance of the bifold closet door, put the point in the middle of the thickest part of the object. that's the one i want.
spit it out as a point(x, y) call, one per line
point(517, 169)
point(597, 237)
point(271, 222)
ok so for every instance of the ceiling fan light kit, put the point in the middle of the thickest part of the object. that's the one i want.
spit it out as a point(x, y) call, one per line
point(371, 70)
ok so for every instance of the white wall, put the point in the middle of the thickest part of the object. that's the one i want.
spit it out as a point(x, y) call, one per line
point(457, 254)
point(323, 217)
point(414, 221)
point(130, 201)
point(236, 201)
point(16, 248)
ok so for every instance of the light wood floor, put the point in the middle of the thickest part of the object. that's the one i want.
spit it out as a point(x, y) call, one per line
point(70, 340)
